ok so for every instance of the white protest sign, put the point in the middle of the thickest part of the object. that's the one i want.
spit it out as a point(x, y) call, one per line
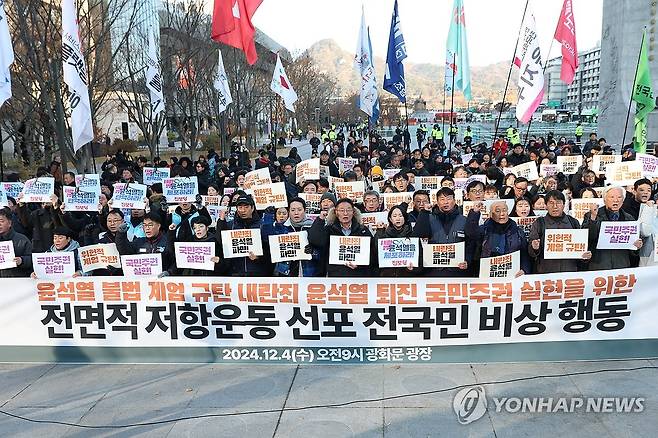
point(369, 220)
point(129, 196)
point(180, 189)
point(257, 178)
point(142, 265)
point(429, 182)
point(333, 181)
point(351, 190)
point(307, 170)
point(39, 189)
point(548, 169)
point(525, 223)
point(618, 235)
point(4, 202)
point(439, 255)
point(312, 202)
point(76, 199)
point(53, 265)
point(505, 266)
point(239, 243)
point(269, 195)
point(526, 170)
point(624, 173)
point(99, 256)
point(466, 158)
point(89, 182)
point(565, 244)
point(600, 162)
point(7, 255)
point(289, 247)
point(462, 183)
point(349, 249)
point(155, 175)
point(345, 164)
point(649, 164)
point(581, 206)
point(569, 164)
point(12, 189)
point(195, 255)
point(398, 252)
point(378, 186)
point(393, 199)
point(390, 173)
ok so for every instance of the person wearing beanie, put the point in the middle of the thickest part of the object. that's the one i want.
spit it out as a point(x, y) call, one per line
point(376, 171)
point(63, 242)
point(342, 220)
point(398, 227)
point(327, 201)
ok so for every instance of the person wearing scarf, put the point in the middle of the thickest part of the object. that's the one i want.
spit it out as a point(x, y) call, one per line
point(398, 227)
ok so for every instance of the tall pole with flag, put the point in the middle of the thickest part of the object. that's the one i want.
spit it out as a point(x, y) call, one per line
point(531, 72)
point(565, 34)
point(457, 70)
point(364, 64)
point(281, 85)
point(6, 60)
point(224, 98)
point(394, 81)
point(643, 98)
point(375, 108)
point(75, 77)
point(231, 25)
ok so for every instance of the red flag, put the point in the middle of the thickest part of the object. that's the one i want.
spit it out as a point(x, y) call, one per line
point(231, 25)
point(565, 34)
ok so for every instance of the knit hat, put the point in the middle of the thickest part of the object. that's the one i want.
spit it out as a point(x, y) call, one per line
point(376, 170)
point(63, 231)
point(330, 196)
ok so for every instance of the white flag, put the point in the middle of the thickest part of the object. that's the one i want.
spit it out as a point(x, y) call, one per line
point(75, 77)
point(364, 63)
point(221, 85)
point(6, 57)
point(531, 73)
point(281, 85)
point(154, 78)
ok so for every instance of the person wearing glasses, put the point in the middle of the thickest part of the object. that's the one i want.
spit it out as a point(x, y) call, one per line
point(342, 220)
point(155, 241)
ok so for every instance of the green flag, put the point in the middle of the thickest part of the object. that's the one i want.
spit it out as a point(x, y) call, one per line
point(643, 97)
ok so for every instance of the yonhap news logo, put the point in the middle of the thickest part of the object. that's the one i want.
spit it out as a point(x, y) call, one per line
point(470, 404)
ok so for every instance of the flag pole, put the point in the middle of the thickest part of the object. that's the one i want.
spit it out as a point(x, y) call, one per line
point(630, 101)
point(452, 102)
point(406, 116)
point(509, 75)
point(550, 47)
point(443, 112)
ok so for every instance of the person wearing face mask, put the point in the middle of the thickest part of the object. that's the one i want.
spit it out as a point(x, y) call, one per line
point(499, 235)
point(342, 220)
point(611, 212)
point(63, 242)
point(398, 227)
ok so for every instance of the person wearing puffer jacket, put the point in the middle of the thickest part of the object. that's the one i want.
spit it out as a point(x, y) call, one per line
point(398, 227)
point(297, 222)
point(63, 242)
point(342, 220)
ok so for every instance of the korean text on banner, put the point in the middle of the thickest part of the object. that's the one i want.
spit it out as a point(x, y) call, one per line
point(505, 266)
point(155, 175)
point(239, 243)
point(624, 173)
point(448, 255)
point(526, 170)
point(307, 170)
point(565, 244)
point(349, 249)
point(289, 247)
point(53, 265)
point(352, 190)
point(398, 252)
point(179, 190)
point(77, 199)
point(257, 178)
point(99, 256)
point(129, 195)
point(618, 235)
point(39, 190)
point(195, 255)
point(142, 265)
point(7, 255)
point(89, 182)
point(570, 164)
point(269, 195)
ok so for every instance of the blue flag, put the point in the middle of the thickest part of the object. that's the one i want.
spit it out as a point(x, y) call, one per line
point(397, 52)
point(457, 53)
point(375, 107)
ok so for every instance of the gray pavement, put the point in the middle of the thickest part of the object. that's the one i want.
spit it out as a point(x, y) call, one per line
point(123, 394)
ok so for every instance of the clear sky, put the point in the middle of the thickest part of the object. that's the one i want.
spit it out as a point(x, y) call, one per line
point(492, 26)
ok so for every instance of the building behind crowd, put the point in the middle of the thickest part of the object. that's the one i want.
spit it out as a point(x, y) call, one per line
point(623, 23)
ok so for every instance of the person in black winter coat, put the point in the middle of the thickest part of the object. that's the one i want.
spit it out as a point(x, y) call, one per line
point(156, 241)
point(200, 226)
point(398, 227)
point(343, 220)
point(40, 223)
point(22, 247)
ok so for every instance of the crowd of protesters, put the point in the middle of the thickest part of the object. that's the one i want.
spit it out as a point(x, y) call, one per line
point(439, 217)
